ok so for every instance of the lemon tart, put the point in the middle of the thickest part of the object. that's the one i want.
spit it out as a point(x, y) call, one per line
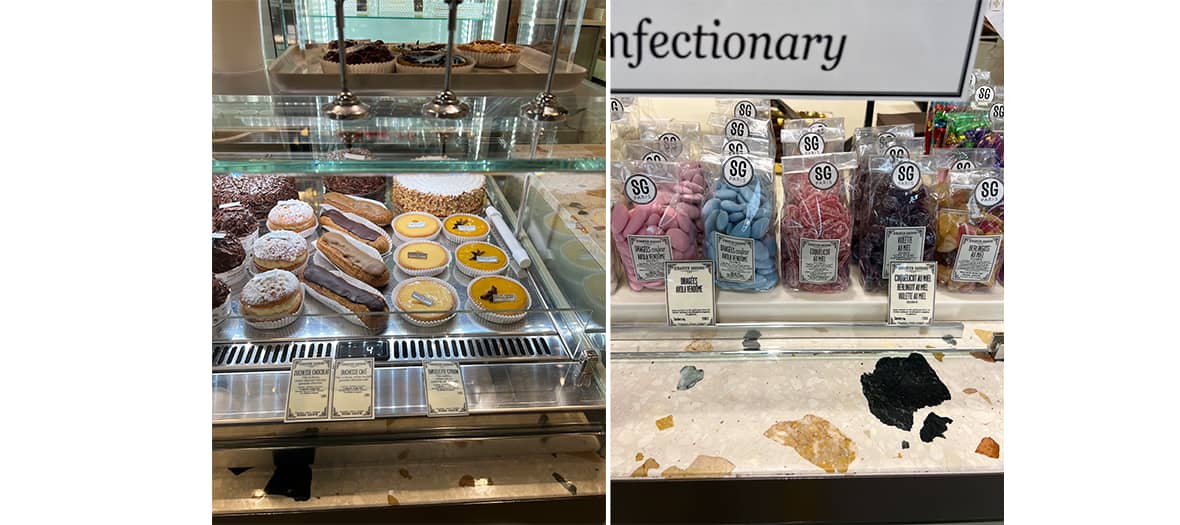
point(422, 258)
point(480, 258)
point(463, 227)
point(498, 299)
point(425, 301)
point(416, 226)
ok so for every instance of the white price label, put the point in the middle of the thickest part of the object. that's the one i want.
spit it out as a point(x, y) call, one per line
point(906, 176)
point(823, 175)
point(352, 388)
point(648, 255)
point(745, 109)
point(911, 293)
point(309, 389)
point(737, 128)
point(446, 394)
point(989, 192)
point(689, 293)
point(639, 189)
point(811, 143)
point(738, 171)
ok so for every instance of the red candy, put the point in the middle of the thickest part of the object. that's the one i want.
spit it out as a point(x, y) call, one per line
point(815, 214)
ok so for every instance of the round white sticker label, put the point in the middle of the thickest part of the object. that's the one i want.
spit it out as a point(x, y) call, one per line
point(671, 144)
point(985, 94)
point(738, 171)
point(822, 176)
point(963, 164)
point(654, 156)
point(735, 147)
point(884, 139)
point(811, 143)
point(997, 111)
point(737, 128)
point(897, 152)
point(906, 176)
point(616, 109)
point(817, 126)
point(639, 188)
point(989, 192)
point(744, 108)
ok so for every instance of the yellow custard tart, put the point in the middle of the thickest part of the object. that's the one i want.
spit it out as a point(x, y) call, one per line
point(422, 258)
point(425, 301)
point(463, 227)
point(480, 258)
point(416, 226)
point(498, 299)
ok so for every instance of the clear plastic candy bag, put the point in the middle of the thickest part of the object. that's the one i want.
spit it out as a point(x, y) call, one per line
point(816, 222)
point(898, 220)
point(970, 249)
point(738, 213)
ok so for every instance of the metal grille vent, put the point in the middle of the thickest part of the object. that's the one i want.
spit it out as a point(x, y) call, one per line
point(237, 356)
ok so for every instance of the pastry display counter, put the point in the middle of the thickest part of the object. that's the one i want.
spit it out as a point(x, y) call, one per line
point(412, 242)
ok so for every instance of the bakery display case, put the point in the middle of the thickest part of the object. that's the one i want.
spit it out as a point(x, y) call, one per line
point(413, 244)
point(805, 389)
point(504, 46)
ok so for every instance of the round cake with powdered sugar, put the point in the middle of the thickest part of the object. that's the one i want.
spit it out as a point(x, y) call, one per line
point(281, 249)
point(439, 195)
point(293, 215)
point(272, 294)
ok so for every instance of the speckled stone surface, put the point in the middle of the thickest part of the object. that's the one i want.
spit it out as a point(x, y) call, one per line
point(727, 415)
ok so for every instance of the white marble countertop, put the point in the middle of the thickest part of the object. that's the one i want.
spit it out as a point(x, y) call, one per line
point(721, 422)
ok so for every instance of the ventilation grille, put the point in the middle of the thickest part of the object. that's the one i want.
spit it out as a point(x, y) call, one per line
point(253, 356)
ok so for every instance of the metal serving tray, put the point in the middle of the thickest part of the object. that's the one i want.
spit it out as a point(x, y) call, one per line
point(298, 70)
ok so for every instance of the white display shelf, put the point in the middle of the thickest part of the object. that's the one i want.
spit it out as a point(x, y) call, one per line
point(782, 305)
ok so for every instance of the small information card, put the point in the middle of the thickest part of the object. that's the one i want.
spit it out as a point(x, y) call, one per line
point(911, 293)
point(445, 393)
point(352, 388)
point(690, 294)
point(309, 390)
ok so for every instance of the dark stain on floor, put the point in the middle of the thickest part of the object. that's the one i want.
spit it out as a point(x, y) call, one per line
point(238, 470)
point(934, 426)
point(292, 475)
point(898, 386)
point(689, 377)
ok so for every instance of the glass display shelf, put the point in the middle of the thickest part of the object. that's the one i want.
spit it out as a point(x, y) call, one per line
point(258, 134)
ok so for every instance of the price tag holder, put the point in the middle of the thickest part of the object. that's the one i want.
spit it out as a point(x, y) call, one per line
point(445, 393)
point(911, 293)
point(352, 388)
point(690, 295)
point(309, 390)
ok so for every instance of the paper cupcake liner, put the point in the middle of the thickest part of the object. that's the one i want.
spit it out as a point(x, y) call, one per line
point(377, 68)
point(403, 239)
point(473, 272)
point(499, 317)
point(234, 276)
point(436, 70)
point(429, 272)
point(418, 322)
point(274, 324)
point(367, 223)
point(248, 241)
point(460, 239)
point(493, 60)
point(339, 308)
point(360, 198)
point(220, 313)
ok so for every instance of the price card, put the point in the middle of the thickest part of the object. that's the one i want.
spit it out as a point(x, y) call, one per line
point(911, 293)
point(309, 390)
point(445, 393)
point(690, 295)
point(352, 388)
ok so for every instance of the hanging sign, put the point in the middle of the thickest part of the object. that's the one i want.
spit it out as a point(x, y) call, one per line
point(805, 48)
